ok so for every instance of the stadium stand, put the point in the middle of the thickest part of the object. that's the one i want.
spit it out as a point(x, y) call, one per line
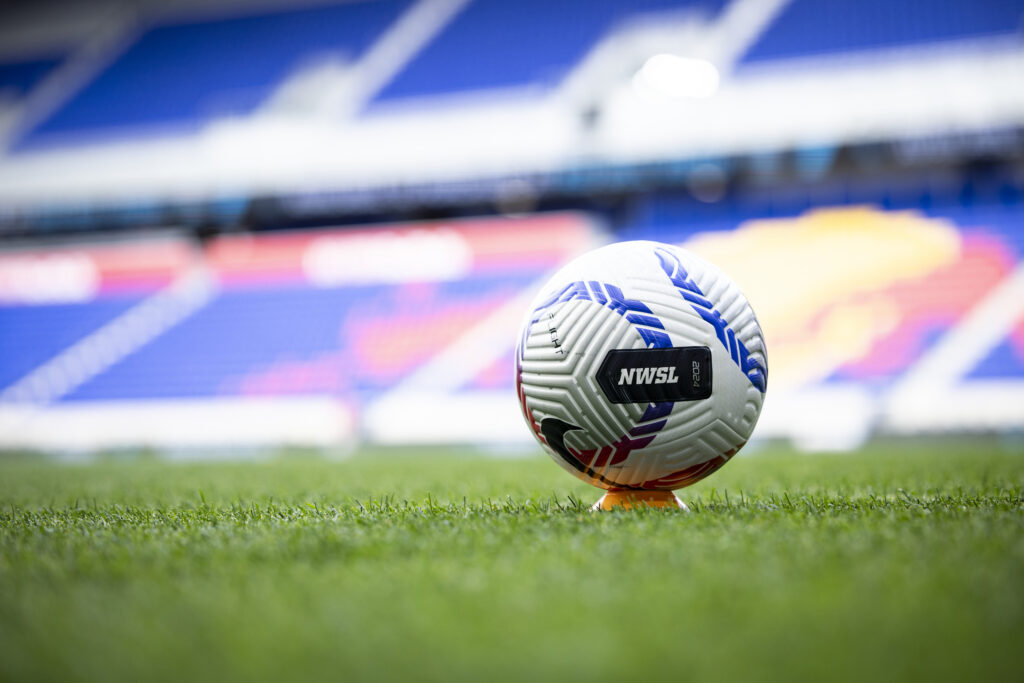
point(909, 236)
point(928, 269)
point(812, 28)
point(1004, 361)
point(292, 315)
point(283, 340)
point(174, 77)
point(18, 78)
point(483, 46)
point(30, 335)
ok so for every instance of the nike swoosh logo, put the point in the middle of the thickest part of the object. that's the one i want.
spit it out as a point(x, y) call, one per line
point(554, 431)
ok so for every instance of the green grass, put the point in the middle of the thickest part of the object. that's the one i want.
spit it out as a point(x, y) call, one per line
point(894, 564)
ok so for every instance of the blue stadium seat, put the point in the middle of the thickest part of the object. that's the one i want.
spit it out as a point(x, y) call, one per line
point(18, 78)
point(1003, 362)
point(246, 337)
point(33, 334)
point(235, 332)
point(807, 28)
point(174, 77)
point(496, 44)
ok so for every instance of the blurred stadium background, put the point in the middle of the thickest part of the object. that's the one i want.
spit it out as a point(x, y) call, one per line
point(249, 224)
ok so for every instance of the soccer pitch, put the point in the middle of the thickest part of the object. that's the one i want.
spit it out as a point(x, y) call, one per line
point(898, 563)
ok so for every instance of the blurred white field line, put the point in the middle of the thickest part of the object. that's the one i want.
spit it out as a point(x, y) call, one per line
point(351, 88)
point(936, 379)
point(112, 342)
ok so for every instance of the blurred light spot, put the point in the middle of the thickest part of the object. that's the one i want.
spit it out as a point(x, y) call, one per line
point(677, 77)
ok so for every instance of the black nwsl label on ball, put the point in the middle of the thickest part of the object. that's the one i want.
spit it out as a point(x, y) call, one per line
point(682, 373)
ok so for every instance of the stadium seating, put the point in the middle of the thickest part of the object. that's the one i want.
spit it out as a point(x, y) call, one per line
point(18, 78)
point(905, 279)
point(174, 77)
point(904, 233)
point(269, 331)
point(32, 334)
point(483, 46)
point(288, 314)
point(809, 28)
point(296, 339)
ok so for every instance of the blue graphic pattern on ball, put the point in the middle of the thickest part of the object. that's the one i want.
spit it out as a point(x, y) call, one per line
point(693, 294)
point(650, 328)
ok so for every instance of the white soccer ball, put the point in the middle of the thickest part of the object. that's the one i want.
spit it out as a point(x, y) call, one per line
point(641, 366)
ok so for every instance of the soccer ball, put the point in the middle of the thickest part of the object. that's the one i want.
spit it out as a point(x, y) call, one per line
point(641, 366)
